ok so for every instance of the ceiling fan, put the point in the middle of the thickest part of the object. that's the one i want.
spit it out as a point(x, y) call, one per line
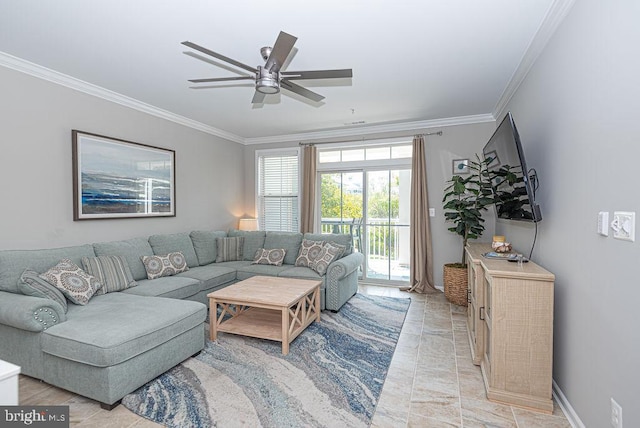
point(270, 77)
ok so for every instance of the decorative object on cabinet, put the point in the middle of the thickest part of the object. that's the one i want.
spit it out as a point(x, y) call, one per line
point(500, 245)
point(464, 200)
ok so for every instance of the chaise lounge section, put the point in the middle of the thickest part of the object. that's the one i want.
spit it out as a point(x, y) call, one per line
point(120, 340)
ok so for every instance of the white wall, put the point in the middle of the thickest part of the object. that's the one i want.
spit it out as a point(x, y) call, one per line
point(578, 116)
point(457, 142)
point(36, 119)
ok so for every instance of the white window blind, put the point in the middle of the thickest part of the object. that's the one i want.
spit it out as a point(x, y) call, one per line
point(278, 191)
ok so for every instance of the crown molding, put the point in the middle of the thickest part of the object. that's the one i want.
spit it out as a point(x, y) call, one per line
point(23, 66)
point(558, 10)
point(52, 76)
point(410, 127)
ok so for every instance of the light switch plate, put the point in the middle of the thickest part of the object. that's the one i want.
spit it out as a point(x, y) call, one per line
point(624, 225)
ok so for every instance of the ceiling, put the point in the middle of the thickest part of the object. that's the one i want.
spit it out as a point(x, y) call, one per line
point(413, 61)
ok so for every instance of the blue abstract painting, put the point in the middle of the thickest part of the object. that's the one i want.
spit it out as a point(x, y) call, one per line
point(116, 178)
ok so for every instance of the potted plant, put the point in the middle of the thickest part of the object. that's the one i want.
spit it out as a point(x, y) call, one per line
point(464, 199)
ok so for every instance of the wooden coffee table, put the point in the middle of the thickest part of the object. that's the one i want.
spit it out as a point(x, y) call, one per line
point(266, 307)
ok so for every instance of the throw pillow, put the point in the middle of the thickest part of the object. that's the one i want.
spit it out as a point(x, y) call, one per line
point(274, 256)
point(309, 252)
point(165, 265)
point(32, 285)
point(111, 271)
point(229, 249)
point(342, 248)
point(329, 253)
point(77, 285)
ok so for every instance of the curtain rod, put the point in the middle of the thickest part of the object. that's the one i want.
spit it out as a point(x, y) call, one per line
point(439, 133)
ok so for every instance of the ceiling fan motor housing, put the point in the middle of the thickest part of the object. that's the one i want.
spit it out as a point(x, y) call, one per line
point(265, 52)
point(267, 82)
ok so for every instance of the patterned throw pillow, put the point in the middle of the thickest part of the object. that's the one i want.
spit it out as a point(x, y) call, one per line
point(329, 253)
point(342, 248)
point(166, 265)
point(274, 256)
point(309, 252)
point(112, 271)
point(77, 285)
point(32, 285)
point(229, 249)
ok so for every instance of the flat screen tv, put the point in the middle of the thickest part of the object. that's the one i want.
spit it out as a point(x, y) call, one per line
point(513, 186)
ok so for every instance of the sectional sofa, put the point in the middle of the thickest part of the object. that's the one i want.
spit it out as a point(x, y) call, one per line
point(120, 340)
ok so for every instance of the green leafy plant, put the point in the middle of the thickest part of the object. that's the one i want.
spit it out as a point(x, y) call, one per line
point(465, 198)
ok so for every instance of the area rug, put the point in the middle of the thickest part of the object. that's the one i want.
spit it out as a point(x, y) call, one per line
point(332, 376)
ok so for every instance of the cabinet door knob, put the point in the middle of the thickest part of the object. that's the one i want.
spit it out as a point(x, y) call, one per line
point(482, 313)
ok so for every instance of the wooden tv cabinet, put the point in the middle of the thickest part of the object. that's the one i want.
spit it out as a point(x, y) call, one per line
point(510, 324)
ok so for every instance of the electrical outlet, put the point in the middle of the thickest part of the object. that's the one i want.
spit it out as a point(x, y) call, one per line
point(616, 414)
point(432, 212)
point(603, 223)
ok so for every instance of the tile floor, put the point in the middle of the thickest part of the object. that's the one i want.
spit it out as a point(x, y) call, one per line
point(431, 381)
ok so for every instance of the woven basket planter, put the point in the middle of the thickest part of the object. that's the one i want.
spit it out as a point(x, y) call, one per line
point(455, 284)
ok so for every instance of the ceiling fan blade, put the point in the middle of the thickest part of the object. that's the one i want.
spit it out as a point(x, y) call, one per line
point(222, 79)
point(258, 98)
point(280, 51)
point(317, 74)
point(300, 90)
point(219, 56)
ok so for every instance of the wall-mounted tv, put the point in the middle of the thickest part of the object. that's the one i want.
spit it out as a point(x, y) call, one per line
point(513, 186)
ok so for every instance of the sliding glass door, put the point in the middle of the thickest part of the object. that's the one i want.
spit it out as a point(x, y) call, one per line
point(373, 206)
point(341, 203)
point(387, 224)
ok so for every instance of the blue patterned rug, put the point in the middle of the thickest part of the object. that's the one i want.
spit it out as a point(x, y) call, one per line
point(332, 377)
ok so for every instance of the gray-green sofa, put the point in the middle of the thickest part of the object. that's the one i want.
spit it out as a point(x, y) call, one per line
point(121, 340)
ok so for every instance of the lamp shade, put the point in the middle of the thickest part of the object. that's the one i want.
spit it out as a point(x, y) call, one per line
point(248, 224)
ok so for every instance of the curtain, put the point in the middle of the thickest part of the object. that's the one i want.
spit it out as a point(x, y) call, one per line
point(307, 214)
point(421, 274)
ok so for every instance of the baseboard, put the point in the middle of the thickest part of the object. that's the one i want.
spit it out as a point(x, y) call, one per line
point(564, 404)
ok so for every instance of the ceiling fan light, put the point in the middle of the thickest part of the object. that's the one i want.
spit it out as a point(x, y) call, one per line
point(267, 86)
point(267, 82)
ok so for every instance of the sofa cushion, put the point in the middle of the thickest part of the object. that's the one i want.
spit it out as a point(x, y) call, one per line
point(77, 285)
point(302, 273)
point(131, 250)
point(211, 276)
point(32, 285)
point(204, 244)
point(253, 241)
point(264, 270)
point(229, 249)
point(173, 287)
point(235, 265)
point(309, 252)
point(339, 238)
point(273, 256)
point(290, 241)
point(111, 271)
point(116, 327)
point(14, 262)
point(164, 265)
point(172, 243)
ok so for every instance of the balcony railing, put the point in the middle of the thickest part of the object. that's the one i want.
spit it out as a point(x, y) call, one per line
point(382, 236)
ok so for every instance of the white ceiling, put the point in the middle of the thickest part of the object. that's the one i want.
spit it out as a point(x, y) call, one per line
point(412, 61)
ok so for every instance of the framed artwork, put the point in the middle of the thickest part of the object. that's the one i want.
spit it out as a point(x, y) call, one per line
point(114, 178)
point(460, 166)
point(492, 159)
